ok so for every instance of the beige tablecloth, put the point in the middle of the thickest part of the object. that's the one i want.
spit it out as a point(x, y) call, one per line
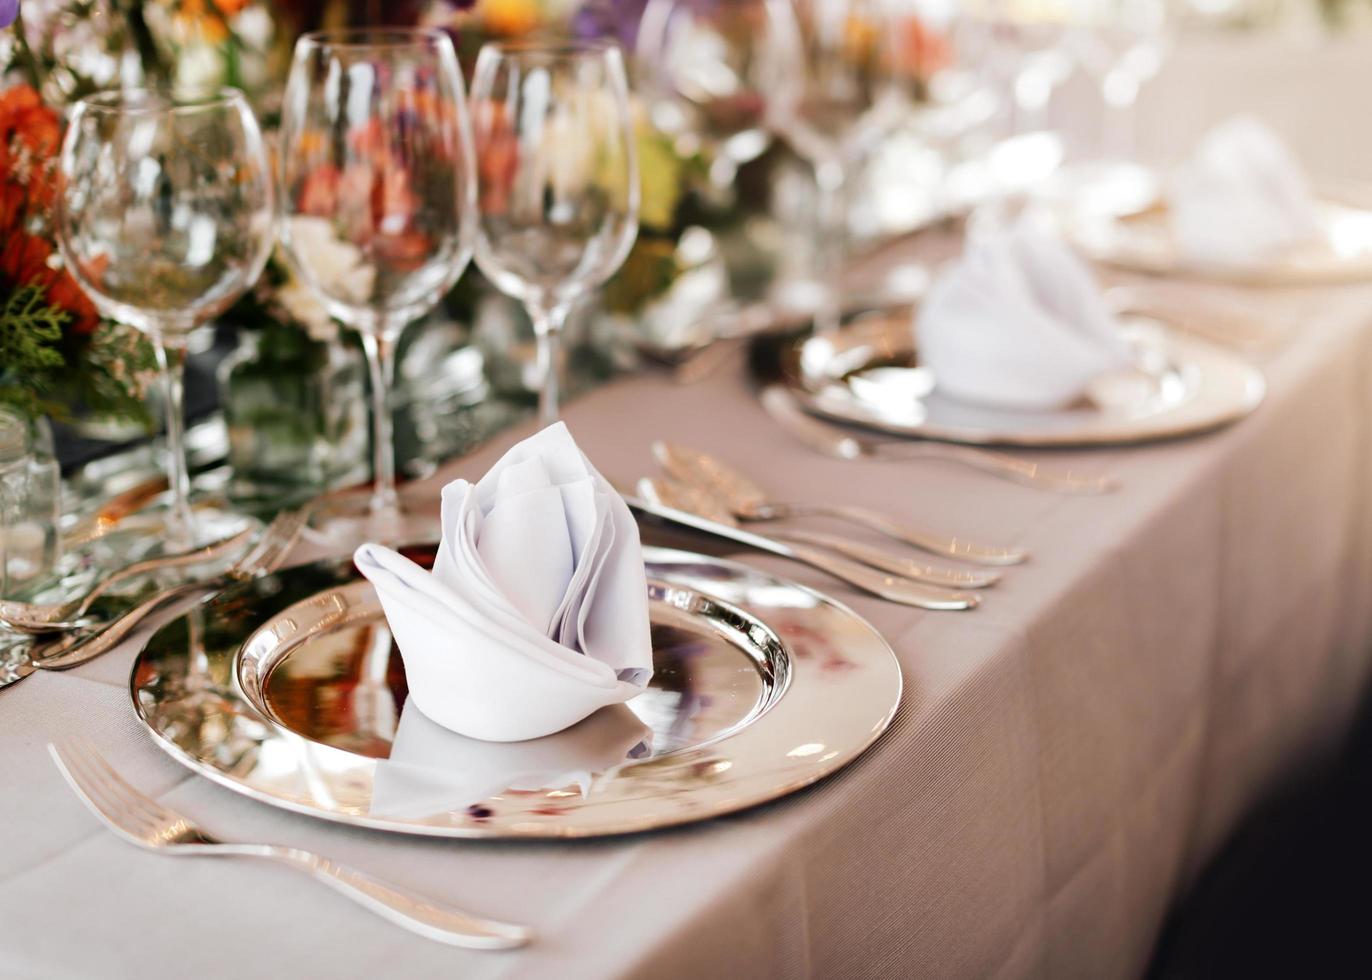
point(1062, 762)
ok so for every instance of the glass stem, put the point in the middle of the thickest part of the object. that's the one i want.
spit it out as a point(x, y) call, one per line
point(380, 349)
point(171, 363)
point(831, 180)
point(548, 323)
point(1120, 95)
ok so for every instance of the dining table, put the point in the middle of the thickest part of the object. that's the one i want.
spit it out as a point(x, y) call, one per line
point(1064, 761)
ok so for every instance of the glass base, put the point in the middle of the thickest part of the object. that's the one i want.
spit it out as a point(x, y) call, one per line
point(343, 524)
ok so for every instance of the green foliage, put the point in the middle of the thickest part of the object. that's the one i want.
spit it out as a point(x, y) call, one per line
point(30, 330)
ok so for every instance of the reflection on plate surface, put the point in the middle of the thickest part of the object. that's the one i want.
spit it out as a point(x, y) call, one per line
point(869, 374)
point(290, 689)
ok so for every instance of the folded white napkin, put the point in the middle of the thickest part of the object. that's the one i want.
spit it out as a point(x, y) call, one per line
point(1017, 322)
point(536, 612)
point(431, 770)
point(1241, 198)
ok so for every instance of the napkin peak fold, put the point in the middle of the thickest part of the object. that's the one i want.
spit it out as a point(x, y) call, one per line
point(1018, 322)
point(536, 612)
point(1241, 197)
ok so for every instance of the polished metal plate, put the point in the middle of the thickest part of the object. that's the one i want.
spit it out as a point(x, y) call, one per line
point(289, 689)
point(869, 374)
point(1143, 242)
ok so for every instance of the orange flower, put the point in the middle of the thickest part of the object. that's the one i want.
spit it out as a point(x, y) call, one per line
point(25, 261)
point(924, 51)
point(194, 17)
point(30, 136)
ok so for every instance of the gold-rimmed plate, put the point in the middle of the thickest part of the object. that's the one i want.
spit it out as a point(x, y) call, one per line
point(289, 690)
point(1143, 241)
point(869, 374)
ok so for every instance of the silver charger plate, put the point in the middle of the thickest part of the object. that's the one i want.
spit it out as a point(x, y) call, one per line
point(1143, 242)
point(288, 689)
point(869, 374)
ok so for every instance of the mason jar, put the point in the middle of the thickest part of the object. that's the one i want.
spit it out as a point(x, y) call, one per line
point(30, 504)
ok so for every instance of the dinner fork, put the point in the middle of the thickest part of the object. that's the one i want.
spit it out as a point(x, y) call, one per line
point(781, 405)
point(29, 617)
point(143, 821)
point(78, 648)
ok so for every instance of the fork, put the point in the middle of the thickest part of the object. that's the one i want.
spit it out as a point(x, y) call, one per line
point(78, 648)
point(143, 821)
point(29, 617)
point(782, 406)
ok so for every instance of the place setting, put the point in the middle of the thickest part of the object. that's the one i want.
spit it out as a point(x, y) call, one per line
point(461, 421)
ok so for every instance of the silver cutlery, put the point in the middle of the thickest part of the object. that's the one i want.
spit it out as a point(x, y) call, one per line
point(893, 588)
point(81, 647)
point(38, 618)
point(1189, 312)
point(749, 502)
point(825, 438)
point(698, 500)
point(144, 822)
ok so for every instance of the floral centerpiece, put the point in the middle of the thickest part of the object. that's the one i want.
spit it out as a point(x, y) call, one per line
point(56, 354)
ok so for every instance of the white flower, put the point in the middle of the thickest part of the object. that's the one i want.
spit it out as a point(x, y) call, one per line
point(199, 67)
point(334, 267)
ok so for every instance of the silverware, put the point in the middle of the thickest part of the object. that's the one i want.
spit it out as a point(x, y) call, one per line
point(749, 502)
point(1193, 313)
point(782, 406)
point(270, 551)
point(143, 821)
point(893, 588)
point(698, 500)
point(28, 617)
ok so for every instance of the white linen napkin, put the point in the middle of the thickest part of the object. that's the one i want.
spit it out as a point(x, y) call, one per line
point(536, 612)
point(1017, 322)
point(1241, 198)
point(432, 770)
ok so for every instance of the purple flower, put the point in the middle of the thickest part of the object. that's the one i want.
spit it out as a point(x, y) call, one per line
point(9, 10)
point(610, 18)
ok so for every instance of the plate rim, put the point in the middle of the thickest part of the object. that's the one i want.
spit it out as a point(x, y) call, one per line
point(645, 824)
point(1254, 393)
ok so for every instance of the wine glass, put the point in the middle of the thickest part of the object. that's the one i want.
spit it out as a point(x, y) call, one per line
point(1120, 44)
point(834, 89)
point(165, 219)
point(703, 65)
point(559, 189)
point(378, 197)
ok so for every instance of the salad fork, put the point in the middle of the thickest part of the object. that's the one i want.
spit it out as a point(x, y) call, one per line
point(144, 822)
point(28, 617)
point(78, 648)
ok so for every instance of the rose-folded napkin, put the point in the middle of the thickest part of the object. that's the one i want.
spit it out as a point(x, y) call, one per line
point(1017, 322)
point(536, 612)
point(1241, 198)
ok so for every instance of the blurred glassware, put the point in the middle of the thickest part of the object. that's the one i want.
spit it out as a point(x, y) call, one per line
point(30, 504)
point(1120, 45)
point(165, 219)
point(702, 65)
point(559, 193)
point(834, 85)
point(379, 197)
point(295, 410)
point(1022, 47)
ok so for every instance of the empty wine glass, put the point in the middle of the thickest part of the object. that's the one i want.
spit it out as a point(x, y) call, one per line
point(834, 90)
point(378, 196)
point(559, 188)
point(1120, 44)
point(703, 64)
point(165, 219)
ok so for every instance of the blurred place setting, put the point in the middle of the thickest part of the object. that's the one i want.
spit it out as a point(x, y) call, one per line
point(654, 488)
